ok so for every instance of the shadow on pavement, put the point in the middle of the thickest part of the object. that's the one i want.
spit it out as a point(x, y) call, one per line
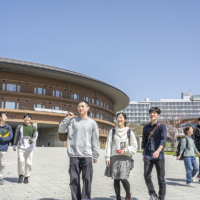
point(123, 198)
point(12, 180)
point(175, 179)
point(174, 183)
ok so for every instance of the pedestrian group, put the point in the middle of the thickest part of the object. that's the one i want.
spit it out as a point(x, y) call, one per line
point(83, 151)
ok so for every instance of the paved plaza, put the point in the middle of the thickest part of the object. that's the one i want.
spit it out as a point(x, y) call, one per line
point(50, 179)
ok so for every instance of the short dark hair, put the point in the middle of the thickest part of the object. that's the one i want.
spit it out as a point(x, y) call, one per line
point(198, 119)
point(28, 114)
point(155, 109)
point(83, 101)
point(124, 115)
point(1, 113)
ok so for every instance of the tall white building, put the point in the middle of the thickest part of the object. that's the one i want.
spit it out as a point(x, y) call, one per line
point(188, 106)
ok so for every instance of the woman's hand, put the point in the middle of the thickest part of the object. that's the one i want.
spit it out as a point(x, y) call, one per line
point(199, 154)
point(178, 157)
point(122, 152)
point(108, 163)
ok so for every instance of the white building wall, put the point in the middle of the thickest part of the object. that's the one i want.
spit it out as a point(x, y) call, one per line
point(138, 112)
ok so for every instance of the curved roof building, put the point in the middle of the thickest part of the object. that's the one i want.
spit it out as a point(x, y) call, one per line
point(48, 93)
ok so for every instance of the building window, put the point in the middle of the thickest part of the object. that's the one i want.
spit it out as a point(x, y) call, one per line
point(92, 115)
point(57, 93)
point(38, 106)
point(97, 102)
point(4, 86)
point(56, 108)
point(17, 106)
point(11, 87)
point(75, 96)
point(102, 117)
point(97, 116)
point(101, 103)
point(92, 100)
point(107, 106)
point(18, 88)
point(102, 131)
point(9, 105)
point(2, 104)
point(87, 99)
point(39, 91)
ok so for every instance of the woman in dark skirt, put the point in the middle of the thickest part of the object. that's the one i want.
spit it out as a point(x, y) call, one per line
point(120, 146)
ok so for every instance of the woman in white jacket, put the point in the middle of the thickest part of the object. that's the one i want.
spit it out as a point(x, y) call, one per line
point(120, 146)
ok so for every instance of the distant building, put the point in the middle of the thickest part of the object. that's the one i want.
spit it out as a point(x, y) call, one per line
point(188, 106)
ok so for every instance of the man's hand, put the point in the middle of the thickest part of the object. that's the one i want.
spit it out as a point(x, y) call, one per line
point(178, 157)
point(143, 159)
point(94, 161)
point(156, 154)
point(122, 152)
point(108, 163)
point(14, 149)
point(71, 115)
point(199, 154)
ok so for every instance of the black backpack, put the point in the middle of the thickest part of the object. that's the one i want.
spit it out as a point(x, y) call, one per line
point(179, 148)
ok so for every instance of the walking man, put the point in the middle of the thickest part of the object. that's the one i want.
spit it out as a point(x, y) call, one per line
point(6, 135)
point(82, 148)
point(196, 137)
point(153, 144)
point(25, 136)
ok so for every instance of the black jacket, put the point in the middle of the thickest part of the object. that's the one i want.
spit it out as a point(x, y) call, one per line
point(196, 137)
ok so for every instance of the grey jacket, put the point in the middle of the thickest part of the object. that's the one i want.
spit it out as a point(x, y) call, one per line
point(191, 147)
point(83, 137)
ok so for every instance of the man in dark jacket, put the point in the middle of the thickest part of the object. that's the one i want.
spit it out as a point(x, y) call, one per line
point(196, 137)
point(6, 135)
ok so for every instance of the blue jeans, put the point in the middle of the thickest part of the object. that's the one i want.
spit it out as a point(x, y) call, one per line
point(191, 167)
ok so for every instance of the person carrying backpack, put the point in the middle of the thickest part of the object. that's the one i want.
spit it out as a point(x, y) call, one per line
point(120, 146)
point(82, 148)
point(6, 135)
point(196, 138)
point(190, 162)
point(26, 134)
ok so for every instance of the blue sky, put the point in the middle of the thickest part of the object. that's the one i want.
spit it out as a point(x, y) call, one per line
point(144, 48)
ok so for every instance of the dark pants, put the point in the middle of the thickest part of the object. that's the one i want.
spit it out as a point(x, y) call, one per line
point(76, 166)
point(160, 168)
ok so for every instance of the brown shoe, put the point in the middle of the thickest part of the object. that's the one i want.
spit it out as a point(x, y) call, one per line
point(118, 198)
point(128, 197)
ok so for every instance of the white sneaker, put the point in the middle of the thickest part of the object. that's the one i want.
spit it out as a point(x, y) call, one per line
point(190, 185)
point(194, 179)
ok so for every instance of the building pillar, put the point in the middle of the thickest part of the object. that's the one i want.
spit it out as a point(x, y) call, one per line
point(36, 126)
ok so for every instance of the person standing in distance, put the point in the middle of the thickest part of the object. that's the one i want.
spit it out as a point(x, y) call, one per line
point(153, 153)
point(82, 148)
point(6, 135)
